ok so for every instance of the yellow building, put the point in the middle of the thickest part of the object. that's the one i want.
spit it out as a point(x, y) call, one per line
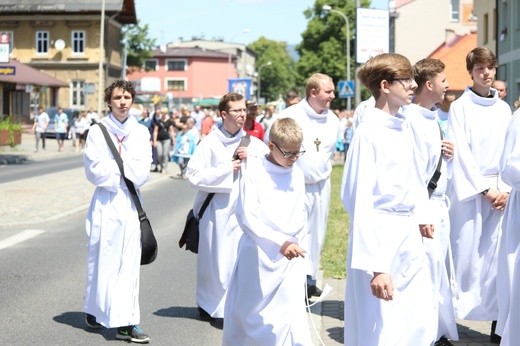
point(62, 39)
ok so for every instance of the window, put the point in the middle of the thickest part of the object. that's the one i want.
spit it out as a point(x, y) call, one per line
point(455, 11)
point(78, 42)
point(78, 93)
point(176, 65)
point(42, 42)
point(9, 34)
point(176, 85)
point(150, 65)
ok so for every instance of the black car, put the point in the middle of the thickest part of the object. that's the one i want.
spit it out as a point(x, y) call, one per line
point(52, 111)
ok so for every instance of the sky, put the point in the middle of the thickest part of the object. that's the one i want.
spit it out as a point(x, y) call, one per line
point(239, 21)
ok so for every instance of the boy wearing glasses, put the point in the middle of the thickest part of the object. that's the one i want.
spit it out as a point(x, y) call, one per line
point(262, 307)
point(388, 277)
point(216, 167)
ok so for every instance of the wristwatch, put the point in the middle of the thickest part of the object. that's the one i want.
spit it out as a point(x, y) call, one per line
point(485, 192)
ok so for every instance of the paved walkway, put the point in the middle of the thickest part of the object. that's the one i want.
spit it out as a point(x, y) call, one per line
point(22, 203)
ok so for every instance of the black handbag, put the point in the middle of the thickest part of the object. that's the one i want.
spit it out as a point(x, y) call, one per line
point(190, 235)
point(148, 241)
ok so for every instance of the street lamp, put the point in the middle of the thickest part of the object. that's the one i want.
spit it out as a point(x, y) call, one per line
point(328, 8)
point(244, 31)
point(258, 89)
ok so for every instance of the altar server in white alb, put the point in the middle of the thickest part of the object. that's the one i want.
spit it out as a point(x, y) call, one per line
point(509, 256)
point(215, 167)
point(433, 153)
point(113, 228)
point(263, 306)
point(388, 276)
point(320, 130)
point(477, 124)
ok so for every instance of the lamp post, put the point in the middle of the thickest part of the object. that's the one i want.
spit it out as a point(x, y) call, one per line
point(244, 31)
point(328, 8)
point(259, 84)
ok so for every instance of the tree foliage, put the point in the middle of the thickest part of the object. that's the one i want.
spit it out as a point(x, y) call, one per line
point(139, 44)
point(323, 48)
point(277, 78)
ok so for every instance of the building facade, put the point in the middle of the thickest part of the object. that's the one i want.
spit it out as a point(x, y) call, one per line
point(63, 40)
point(421, 26)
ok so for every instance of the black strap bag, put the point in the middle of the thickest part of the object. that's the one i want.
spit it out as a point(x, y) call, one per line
point(148, 241)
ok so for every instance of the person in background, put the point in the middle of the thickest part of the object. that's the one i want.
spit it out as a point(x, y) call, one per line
point(163, 139)
point(320, 132)
point(185, 144)
point(207, 124)
point(112, 224)
point(477, 194)
point(61, 125)
point(443, 111)
point(501, 87)
point(92, 115)
point(388, 277)
point(81, 127)
point(197, 115)
point(216, 167)
point(261, 307)
point(41, 122)
point(251, 126)
point(291, 98)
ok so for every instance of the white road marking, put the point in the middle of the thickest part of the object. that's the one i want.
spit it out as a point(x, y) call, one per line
point(20, 237)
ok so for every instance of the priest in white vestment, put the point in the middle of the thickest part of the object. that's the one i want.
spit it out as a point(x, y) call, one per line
point(112, 225)
point(215, 167)
point(388, 277)
point(320, 130)
point(477, 124)
point(265, 304)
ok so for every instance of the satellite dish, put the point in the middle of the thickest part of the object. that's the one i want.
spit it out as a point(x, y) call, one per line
point(59, 45)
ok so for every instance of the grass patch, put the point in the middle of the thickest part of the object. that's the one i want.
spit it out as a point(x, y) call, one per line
point(334, 252)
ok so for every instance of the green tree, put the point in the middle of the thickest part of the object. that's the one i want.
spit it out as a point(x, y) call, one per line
point(139, 44)
point(323, 48)
point(280, 76)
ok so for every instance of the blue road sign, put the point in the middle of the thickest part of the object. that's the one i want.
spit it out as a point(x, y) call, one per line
point(346, 89)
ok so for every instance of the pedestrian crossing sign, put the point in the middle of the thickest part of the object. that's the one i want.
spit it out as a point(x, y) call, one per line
point(346, 89)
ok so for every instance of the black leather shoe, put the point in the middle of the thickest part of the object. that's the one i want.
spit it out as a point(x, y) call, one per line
point(443, 342)
point(204, 316)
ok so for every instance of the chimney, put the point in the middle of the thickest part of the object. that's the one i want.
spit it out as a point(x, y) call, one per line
point(450, 35)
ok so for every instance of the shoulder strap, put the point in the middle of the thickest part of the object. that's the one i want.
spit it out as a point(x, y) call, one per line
point(244, 142)
point(432, 185)
point(140, 212)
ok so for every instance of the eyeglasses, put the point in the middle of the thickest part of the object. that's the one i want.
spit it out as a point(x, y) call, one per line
point(288, 154)
point(238, 111)
point(405, 80)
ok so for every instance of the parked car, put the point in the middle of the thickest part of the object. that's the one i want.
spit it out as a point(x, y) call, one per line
point(52, 111)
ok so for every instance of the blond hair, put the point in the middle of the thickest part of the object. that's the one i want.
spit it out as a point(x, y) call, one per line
point(286, 131)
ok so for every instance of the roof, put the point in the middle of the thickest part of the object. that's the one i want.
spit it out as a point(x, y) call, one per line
point(453, 54)
point(28, 75)
point(124, 8)
point(189, 52)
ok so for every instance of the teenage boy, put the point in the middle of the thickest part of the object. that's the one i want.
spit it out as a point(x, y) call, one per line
point(477, 124)
point(388, 277)
point(261, 307)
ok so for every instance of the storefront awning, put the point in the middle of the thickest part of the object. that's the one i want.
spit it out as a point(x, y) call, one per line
point(17, 73)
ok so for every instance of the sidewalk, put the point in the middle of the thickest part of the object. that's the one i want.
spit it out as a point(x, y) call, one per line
point(22, 203)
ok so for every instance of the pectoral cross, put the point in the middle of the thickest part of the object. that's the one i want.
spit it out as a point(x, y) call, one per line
point(317, 142)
